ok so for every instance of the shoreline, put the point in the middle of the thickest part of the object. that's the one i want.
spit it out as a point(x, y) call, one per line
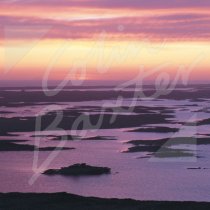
point(65, 201)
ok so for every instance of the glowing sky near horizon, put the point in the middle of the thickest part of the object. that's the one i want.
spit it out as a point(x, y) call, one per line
point(108, 39)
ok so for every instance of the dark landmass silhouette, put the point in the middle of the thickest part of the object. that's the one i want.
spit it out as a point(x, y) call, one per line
point(64, 201)
point(79, 170)
point(162, 148)
point(156, 130)
point(13, 145)
point(16, 124)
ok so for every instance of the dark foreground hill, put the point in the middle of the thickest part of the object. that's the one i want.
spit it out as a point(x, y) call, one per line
point(64, 201)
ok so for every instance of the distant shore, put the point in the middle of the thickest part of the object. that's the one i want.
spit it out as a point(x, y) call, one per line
point(64, 201)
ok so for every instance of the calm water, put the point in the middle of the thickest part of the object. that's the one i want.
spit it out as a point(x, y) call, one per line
point(132, 176)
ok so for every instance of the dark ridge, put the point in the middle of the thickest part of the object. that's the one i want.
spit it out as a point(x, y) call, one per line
point(10, 97)
point(203, 122)
point(4, 133)
point(6, 112)
point(64, 201)
point(198, 122)
point(65, 138)
point(161, 152)
point(72, 138)
point(104, 121)
point(10, 145)
point(162, 147)
point(156, 130)
point(100, 138)
point(172, 141)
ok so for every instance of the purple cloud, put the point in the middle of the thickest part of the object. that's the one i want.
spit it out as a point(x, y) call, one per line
point(172, 27)
point(144, 4)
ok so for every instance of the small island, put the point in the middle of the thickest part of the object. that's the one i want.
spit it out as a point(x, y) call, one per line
point(79, 170)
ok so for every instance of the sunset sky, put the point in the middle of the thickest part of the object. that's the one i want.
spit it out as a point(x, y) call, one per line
point(104, 39)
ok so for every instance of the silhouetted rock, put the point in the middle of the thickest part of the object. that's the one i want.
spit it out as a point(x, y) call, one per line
point(79, 170)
